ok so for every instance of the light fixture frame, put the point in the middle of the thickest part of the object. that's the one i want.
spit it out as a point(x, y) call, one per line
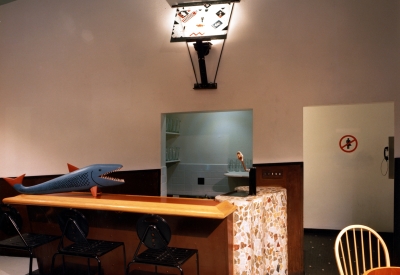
point(202, 44)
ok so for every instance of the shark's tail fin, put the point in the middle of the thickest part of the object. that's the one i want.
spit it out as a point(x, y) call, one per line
point(14, 181)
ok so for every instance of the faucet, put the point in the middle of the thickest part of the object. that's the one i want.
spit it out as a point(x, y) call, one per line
point(252, 174)
point(241, 158)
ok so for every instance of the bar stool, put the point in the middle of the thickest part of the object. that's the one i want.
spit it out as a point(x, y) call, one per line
point(75, 228)
point(10, 224)
point(155, 233)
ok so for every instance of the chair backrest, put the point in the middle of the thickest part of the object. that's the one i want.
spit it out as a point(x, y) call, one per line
point(74, 225)
point(10, 220)
point(359, 248)
point(153, 231)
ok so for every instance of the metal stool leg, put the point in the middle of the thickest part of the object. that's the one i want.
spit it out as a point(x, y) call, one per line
point(52, 263)
point(98, 265)
point(123, 250)
point(63, 259)
point(88, 266)
point(197, 263)
point(30, 261)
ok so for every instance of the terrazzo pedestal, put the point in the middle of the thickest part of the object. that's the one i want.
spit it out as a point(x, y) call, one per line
point(259, 231)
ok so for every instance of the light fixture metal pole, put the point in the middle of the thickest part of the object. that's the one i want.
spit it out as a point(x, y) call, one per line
point(202, 49)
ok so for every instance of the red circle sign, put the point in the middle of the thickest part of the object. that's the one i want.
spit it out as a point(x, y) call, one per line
point(348, 143)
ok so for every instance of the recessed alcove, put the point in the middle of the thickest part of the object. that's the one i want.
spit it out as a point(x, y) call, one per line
point(206, 142)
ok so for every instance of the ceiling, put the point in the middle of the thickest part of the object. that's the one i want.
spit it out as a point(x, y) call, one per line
point(174, 3)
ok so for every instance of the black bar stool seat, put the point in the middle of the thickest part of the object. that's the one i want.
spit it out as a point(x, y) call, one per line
point(75, 229)
point(154, 232)
point(10, 224)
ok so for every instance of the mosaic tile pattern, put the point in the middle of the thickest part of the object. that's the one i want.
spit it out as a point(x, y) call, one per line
point(260, 231)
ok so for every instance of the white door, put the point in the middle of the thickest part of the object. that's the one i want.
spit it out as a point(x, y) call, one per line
point(345, 180)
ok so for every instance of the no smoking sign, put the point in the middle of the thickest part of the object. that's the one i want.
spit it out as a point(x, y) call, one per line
point(348, 143)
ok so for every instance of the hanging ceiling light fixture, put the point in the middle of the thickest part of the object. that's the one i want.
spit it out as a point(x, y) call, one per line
point(200, 22)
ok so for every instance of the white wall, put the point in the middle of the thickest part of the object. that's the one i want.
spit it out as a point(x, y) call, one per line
point(349, 186)
point(87, 81)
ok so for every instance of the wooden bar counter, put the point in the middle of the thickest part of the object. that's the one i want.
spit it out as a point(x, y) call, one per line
point(195, 223)
point(199, 208)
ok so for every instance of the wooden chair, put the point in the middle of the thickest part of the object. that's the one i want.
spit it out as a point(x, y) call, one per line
point(154, 232)
point(359, 248)
point(10, 224)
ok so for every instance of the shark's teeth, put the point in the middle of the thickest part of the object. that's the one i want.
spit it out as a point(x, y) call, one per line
point(113, 179)
point(104, 176)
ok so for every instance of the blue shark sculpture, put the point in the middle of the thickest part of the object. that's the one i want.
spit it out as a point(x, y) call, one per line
point(90, 177)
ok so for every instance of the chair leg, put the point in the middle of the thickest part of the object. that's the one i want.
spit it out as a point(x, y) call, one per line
point(197, 263)
point(30, 261)
point(88, 266)
point(123, 247)
point(63, 259)
point(98, 265)
point(52, 263)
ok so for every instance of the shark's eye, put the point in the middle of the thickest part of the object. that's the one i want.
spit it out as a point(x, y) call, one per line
point(99, 170)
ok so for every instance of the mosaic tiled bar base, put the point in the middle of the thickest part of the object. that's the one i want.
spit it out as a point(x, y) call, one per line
point(260, 231)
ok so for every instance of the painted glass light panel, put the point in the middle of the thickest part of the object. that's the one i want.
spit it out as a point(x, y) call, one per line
point(201, 22)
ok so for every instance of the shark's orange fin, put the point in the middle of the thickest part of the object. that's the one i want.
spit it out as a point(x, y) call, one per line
point(94, 191)
point(72, 168)
point(16, 180)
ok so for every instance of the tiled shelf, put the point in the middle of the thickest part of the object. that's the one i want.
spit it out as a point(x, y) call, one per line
point(173, 161)
point(237, 174)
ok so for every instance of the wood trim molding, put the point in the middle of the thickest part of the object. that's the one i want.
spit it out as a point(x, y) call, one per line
point(289, 176)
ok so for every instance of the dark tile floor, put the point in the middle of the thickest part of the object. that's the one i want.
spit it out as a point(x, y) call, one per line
point(319, 257)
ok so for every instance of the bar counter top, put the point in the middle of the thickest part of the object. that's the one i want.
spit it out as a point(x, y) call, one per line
point(201, 208)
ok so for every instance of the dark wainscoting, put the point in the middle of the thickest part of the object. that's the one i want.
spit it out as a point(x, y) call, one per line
point(289, 176)
point(139, 182)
